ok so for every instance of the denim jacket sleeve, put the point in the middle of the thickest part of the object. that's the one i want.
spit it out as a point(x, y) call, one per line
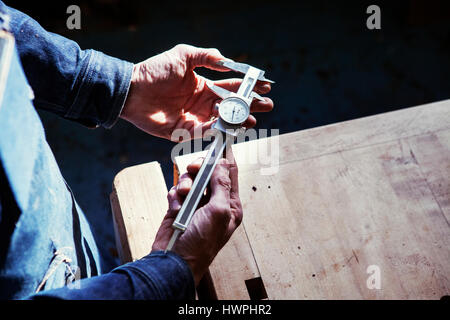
point(158, 276)
point(86, 86)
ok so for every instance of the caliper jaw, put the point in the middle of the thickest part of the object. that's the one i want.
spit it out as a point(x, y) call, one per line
point(241, 68)
point(224, 93)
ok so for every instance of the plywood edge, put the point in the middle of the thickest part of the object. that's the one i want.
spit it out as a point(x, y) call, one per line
point(138, 202)
point(122, 245)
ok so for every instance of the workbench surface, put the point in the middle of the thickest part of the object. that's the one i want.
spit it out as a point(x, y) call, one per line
point(354, 210)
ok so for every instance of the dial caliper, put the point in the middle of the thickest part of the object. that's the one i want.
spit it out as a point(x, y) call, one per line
point(233, 111)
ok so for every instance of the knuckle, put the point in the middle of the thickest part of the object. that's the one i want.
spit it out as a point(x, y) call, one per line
point(223, 162)
point(184, 177)
point(171, 194)
point(221, 210)
point(215, 52)
point(175, 205)
point(196, 162)
point(184, 184)
point(224, 181)
point(181, 46)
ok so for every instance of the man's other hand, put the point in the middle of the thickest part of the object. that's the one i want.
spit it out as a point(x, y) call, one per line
point(166, 94)
point(218, 215)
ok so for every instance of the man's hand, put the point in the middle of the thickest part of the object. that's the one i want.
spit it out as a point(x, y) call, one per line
point(166, 94)
point(218, 215)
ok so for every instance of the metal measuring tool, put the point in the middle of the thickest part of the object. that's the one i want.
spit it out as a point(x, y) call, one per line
point(233, 111)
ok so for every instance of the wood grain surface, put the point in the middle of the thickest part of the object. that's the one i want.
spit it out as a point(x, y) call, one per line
point(368, 192)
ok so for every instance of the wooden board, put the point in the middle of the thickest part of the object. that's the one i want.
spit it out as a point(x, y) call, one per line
point(368, 192)
point(139, 203)
point(371, 191)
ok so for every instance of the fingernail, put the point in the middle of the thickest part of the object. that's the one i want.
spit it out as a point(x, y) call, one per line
point(184, 184)
point(176, 206)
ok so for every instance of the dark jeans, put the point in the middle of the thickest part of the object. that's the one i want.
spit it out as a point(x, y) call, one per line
point(45, 240)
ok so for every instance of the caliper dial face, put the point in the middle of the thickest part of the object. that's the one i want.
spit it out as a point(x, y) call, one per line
point(234, 110)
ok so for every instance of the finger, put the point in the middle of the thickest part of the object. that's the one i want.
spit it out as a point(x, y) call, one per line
point(193, 169)
point(256, 106)
point(194, 166)
point(234, 192)
point(175, 202)
point(262, 106)
point(250, 122)
point(202, 57)
point(220, 184)
point(233, 169)
point(184, 184)
point(233, 84)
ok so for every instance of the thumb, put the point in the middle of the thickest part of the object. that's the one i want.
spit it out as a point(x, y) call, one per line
point(220, 184)
point(202, 57)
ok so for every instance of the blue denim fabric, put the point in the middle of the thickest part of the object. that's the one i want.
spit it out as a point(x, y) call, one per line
point(48, 223)
point(86, 86)
point(158, 276)
point(45, 240)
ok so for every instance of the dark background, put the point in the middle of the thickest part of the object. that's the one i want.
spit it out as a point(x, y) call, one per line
point(327, 65)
